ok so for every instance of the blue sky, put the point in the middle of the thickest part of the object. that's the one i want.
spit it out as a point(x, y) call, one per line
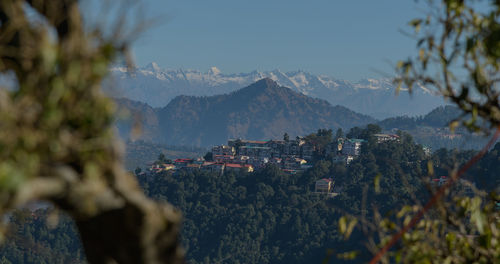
point(346, 39)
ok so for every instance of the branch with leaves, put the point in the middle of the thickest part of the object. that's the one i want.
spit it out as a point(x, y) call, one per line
point(459, 58)
point(56, 137)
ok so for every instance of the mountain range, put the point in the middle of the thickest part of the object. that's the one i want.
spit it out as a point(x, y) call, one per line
point(262, 111)
point(376, 97)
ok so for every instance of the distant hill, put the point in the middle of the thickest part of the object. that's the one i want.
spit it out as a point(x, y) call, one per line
point(432, 129)
point(439, 117)
point(261, 111)
point(376, 97)
point(138, 116)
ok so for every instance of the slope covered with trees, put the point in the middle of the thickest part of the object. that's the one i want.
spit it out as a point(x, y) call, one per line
point(272, 217)
point(41, 236)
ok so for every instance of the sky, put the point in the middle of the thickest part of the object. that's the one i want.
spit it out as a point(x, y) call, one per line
point(345, 39)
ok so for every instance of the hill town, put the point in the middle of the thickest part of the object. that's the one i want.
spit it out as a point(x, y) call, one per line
point(291, 156)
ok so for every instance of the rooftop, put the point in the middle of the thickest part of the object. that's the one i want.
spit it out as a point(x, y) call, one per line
point(251, 147)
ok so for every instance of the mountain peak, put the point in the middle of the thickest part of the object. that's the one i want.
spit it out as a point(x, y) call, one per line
point(267, 83)
point(261, 111)
point(157, 86)
point(153, 66)
point(214, 71)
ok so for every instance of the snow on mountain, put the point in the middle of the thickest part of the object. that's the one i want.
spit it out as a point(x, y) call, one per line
point(376, 97)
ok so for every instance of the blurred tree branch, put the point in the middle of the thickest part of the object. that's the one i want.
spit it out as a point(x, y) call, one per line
point(56, 138)
point(459, 52)
point(459, 58)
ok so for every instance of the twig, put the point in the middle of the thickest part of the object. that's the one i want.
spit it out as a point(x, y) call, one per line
point(435, 198)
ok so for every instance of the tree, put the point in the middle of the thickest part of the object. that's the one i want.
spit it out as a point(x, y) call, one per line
point(162, 158)
point(339, 134)
point(459, 57)
point(286, 137)
point(459, 52)
point(209, 156)
point(57, 142)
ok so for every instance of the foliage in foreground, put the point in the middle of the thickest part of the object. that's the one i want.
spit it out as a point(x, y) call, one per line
point(459, 57)
point(56, 138)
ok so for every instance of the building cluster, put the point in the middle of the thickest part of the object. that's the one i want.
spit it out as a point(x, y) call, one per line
point(290, 156)
point(200, 164)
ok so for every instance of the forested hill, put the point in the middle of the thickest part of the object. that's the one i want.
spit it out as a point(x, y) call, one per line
point(272, 217)
point(268, 216)
point(261, 111)
point(437, 118)
point(433, 131)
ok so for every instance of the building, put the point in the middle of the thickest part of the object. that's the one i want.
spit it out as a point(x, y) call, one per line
point(386, 137)
point(346, 159)
point(461, 186)
point(292, 163)
point(352, 147)
point(180, 163)
point(427, 151)
point(238, 167)
point(307, 151)
point(254, 151)
point(213, 167)
point(236, 143)
point(223, 158)
point(167, 167)
point(223, 150)
point(277, 147)
point(439, 181)
point(324, 186)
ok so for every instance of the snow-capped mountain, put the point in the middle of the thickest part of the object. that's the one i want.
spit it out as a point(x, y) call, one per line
point(376, 97)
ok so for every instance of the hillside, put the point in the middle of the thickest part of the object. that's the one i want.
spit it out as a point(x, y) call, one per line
point(432, 129)
point(137, 117)
point(376, 97)
point(439, 117)
point(261, 111)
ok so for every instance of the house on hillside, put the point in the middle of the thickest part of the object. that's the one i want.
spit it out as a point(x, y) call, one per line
point(223, 150)
point(277, 147)
point(306, 151)
point(427, 151)
point(213, 167)
point(243, 142)
point(167, 167)
point(352, 147)
point(292, 163)
point(386, 137)
point(324, 186)
point(180, 163)
point(254, 151)
point(438, 182)
point(346, 159)
point(257, 162)
point(461, 186)
point(233, 167)
point(223, 158)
